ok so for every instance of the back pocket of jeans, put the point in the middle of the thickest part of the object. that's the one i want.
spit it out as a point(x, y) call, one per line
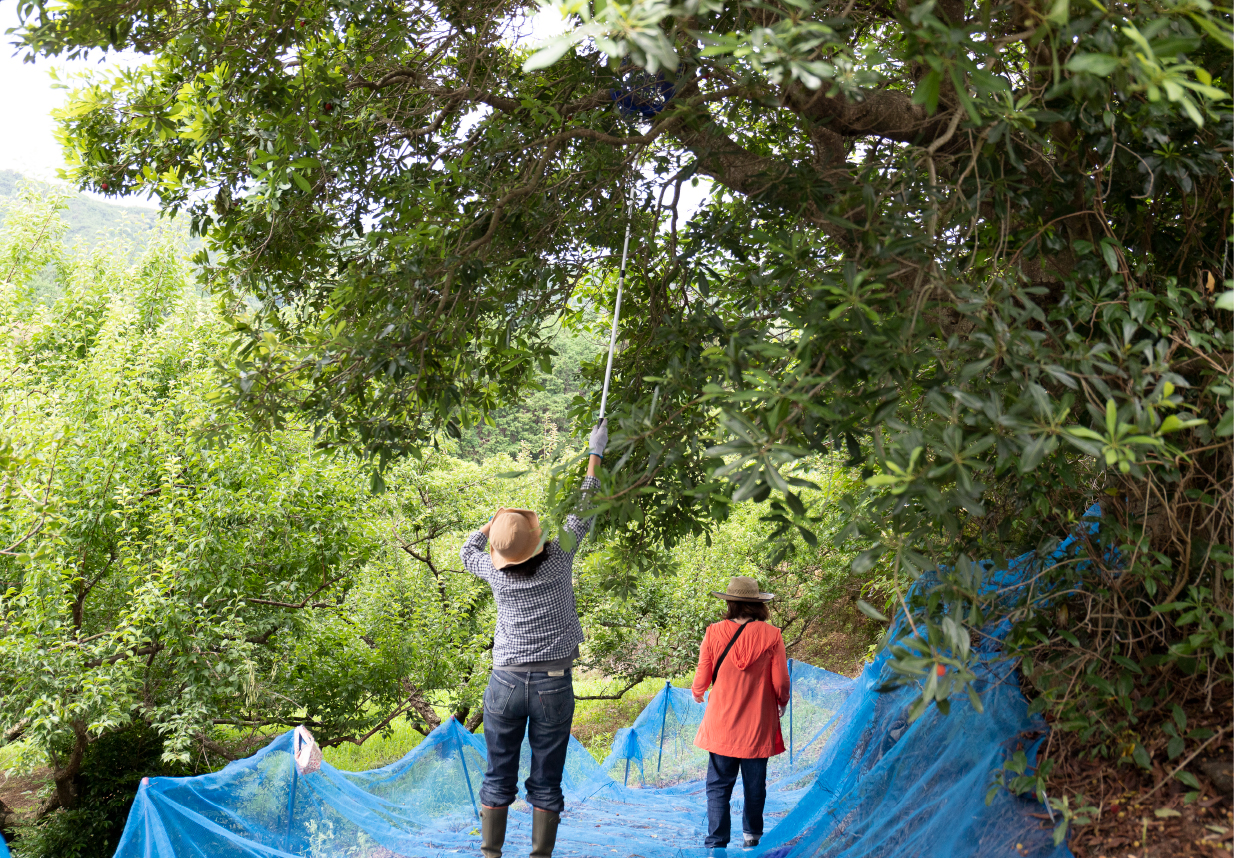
point(497, 696)
point(557, 704)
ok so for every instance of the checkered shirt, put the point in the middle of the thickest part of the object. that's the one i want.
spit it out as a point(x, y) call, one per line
point(536, 615)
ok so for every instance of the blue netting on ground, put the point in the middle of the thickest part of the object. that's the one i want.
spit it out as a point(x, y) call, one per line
point(860, 781)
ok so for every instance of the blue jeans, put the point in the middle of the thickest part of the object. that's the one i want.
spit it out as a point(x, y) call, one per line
point(541, 705)
point(721, 777)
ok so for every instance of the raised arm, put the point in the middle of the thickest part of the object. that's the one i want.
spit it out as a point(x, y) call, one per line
point(474, 553)
point(574, 523)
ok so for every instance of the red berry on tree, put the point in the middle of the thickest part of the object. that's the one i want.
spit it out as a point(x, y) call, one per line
point(941, 670)
point(104, 186)
point(327, 107)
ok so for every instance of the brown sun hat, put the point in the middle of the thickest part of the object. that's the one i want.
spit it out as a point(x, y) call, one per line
point(514, 537)
point(743, 589)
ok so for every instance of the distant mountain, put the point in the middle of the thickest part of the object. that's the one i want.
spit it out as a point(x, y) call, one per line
point(92, 222)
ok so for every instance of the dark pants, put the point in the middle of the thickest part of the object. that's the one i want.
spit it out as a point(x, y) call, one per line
point(721, 776)
point(541, 705)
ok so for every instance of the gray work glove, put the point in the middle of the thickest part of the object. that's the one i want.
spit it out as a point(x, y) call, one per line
point(599, 438)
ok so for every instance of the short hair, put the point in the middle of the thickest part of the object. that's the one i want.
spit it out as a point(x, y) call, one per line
point(754, 610)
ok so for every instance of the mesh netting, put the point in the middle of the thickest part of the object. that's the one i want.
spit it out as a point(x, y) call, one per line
point(859, 781)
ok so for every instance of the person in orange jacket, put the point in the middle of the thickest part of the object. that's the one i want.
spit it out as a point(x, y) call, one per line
point(743, 655)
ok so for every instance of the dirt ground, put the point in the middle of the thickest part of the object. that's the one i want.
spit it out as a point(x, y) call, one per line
point(1157, 828)
point(23, 795)
point(1144, 814)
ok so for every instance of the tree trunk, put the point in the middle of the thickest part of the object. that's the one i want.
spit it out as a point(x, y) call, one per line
point(66, 776)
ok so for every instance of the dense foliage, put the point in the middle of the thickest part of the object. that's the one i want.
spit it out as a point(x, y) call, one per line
point(978, 248)
point(111, 769)
point(174, 589)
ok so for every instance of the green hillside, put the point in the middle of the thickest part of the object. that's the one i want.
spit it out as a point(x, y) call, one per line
point(92, 222)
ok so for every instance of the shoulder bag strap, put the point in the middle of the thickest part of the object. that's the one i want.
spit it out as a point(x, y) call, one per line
point(715, 674)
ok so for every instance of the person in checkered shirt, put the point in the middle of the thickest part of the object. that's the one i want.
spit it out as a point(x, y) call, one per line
point(534, 647)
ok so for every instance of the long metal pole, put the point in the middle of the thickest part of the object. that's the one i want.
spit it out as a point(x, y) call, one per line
point(663, 727)
point(790, 711)
point(612, 340)
point(291, 796)
point(462, 759)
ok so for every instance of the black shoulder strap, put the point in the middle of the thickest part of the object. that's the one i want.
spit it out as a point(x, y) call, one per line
point(715, 674)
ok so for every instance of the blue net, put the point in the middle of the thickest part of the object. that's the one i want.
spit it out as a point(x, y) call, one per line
point(858, 780)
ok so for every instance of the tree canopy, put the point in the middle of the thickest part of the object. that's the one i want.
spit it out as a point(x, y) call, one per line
point(979, 248)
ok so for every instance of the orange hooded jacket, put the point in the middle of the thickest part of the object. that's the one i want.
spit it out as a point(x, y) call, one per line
point(742, 718)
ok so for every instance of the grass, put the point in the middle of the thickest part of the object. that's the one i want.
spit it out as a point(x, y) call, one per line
point(380, 750)
point(595, 724)
point(597, 721)
point(9, 755)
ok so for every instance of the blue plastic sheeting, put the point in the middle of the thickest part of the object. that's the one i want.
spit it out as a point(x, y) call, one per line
point(860, 781)
point(4, 849)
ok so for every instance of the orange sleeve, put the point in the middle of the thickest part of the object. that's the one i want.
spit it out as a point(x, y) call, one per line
point(779, 673)
point(703, 673)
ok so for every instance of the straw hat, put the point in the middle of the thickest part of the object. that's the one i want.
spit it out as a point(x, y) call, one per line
point(743, 589)
point(514, 537)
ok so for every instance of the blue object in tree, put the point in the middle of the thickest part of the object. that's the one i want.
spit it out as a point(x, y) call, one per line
point(645, 96)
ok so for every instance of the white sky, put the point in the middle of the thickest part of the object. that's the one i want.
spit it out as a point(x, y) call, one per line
point(27, 141)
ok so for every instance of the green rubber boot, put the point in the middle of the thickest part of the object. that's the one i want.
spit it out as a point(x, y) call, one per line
point(492, 830)
point(543, 833)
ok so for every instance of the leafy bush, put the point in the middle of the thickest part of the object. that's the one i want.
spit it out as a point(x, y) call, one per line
point(111, 769)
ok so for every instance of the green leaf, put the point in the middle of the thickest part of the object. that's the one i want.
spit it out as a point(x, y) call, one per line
point(1225, 427)
point(1172, 424)
point(917, 709)
point(1033, 453)
point(1187, 779)
point(1096, 64)
point(551, 52)
point(1223, 36)
point(809, 536)
point(1225, 301)
point(871, 611)
point(974, 699)
point(927, 90)
point(1109, 253)
point(865, 561)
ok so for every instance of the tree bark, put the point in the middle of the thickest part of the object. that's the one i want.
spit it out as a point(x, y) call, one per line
point(65, 777)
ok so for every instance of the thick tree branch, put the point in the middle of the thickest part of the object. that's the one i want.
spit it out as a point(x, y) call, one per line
point(888, 114)
point(16, 731)
point(753, 175)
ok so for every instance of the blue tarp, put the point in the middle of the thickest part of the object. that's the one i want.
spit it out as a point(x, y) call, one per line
point(860, 781)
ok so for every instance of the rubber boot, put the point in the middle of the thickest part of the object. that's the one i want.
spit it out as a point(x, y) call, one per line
point(543, 832)
point(493, 830)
